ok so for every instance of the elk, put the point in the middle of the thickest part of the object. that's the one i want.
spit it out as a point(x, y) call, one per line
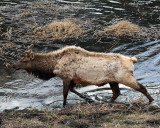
point(75, 65)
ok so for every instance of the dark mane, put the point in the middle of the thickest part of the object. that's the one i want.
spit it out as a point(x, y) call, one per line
point(41, 74)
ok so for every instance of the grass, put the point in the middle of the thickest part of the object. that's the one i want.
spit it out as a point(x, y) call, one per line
point(8, 33)
point(122, 28)
point(118, 115)
point(59, 29)
point(24, 123)
point(26, 13)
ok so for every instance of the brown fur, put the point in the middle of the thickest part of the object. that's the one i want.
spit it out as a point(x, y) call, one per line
point(75, 65)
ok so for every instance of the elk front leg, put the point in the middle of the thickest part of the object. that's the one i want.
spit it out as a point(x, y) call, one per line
point(79, 94)
point(66, 86)
point(74, 91)
point(115, 90)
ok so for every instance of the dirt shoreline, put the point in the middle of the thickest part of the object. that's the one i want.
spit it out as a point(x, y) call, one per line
point(83, 115)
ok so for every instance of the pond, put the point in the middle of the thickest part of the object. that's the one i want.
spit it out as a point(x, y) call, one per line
point(18, 90)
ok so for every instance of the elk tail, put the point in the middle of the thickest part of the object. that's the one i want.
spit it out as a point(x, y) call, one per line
point(134, 59)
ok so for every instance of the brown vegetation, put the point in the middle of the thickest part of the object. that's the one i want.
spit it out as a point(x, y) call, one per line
point(122, 28)
point(59, 29)
point(26, 13)
point(131, 31)
point(8, 33)
point(135, 115)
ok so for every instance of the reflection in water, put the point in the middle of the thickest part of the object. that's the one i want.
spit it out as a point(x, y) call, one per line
point(20, 90)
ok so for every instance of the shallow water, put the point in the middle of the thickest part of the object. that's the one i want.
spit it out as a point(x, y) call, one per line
point(18, 90)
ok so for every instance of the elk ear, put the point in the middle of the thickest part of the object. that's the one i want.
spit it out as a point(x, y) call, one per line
point(30, 47)
point(28, 53)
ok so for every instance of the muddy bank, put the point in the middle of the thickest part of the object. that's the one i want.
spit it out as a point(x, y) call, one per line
point(135, 115)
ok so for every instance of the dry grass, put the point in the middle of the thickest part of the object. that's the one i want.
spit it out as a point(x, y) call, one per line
point(87, 109)
point(118, 115)
point(8, 33)
point(59, 29)
point(26, 13)
point(122, 28)
point(23, 123)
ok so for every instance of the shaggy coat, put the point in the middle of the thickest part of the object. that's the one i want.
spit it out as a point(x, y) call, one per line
point(75, 65)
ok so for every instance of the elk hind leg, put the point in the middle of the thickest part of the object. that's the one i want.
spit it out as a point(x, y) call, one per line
point(130, 81)
point(143, 90)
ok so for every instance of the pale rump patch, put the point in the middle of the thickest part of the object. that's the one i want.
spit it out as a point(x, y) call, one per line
point(134, 59)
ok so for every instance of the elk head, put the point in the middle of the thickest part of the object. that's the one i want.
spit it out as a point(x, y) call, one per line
point(26, 61)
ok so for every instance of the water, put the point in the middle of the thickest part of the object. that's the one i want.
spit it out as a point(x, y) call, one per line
point(18, 90)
